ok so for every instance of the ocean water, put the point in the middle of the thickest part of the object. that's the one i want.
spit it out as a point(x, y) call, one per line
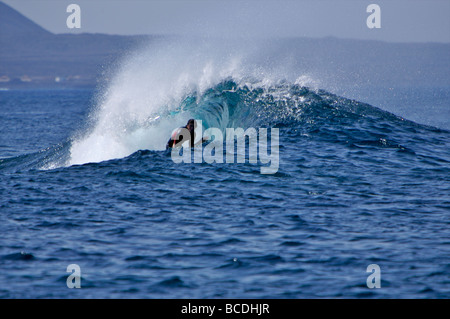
point(85, 179)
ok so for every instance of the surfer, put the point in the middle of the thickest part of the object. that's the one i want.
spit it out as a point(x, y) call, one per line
point(183, 134)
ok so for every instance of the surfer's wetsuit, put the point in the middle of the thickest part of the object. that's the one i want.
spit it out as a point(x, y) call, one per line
point(177, 137)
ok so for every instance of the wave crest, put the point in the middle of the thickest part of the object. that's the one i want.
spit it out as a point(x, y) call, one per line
point(156, 90)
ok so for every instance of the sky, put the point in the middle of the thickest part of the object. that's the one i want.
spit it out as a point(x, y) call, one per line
point(401, 20)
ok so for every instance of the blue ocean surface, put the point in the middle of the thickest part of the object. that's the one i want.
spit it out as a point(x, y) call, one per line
point(356, 185)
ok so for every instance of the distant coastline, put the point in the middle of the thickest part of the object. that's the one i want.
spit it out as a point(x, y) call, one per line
point(32, 57)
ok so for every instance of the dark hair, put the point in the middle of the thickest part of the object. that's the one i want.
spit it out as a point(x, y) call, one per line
point(192, 121)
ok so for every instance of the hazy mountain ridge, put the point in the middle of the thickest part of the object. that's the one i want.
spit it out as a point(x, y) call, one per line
point(31, 56)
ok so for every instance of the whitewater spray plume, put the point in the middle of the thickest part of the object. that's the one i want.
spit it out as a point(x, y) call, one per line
point(158, 87)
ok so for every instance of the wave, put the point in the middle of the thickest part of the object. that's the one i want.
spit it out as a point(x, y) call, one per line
point(156, 90)
point(229, 104)
point(247, 102)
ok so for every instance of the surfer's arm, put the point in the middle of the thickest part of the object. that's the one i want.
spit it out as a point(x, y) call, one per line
point(175, 142)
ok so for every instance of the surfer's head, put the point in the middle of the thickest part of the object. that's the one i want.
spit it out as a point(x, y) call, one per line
point(191, 124)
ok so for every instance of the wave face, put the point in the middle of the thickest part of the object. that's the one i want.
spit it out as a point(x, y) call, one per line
point(157, 89)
